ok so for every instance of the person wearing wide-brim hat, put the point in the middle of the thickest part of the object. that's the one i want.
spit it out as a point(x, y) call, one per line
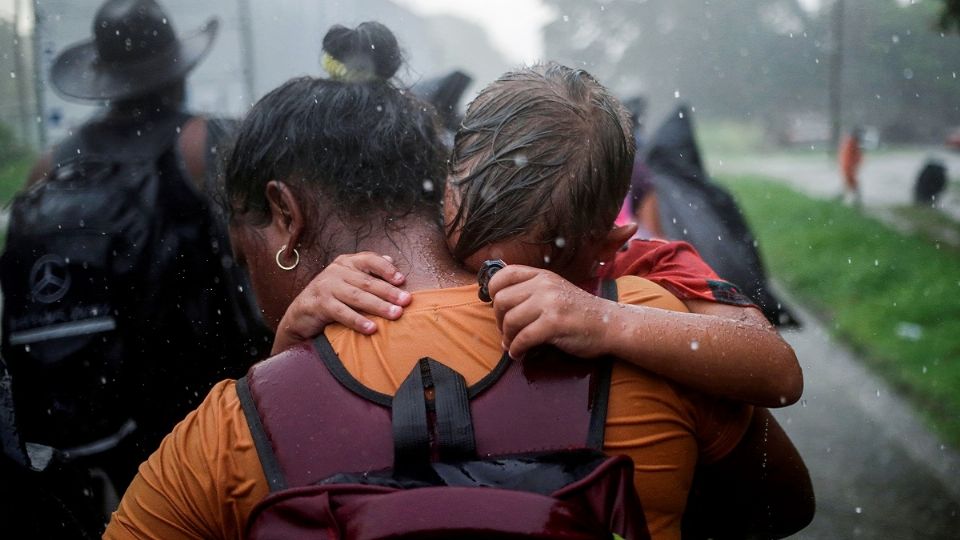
point(137, 66)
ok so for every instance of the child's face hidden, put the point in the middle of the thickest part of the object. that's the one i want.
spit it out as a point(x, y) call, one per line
point(529, 250)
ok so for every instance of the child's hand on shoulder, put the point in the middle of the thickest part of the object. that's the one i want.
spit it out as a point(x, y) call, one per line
point(347, 289)
point(538, 307)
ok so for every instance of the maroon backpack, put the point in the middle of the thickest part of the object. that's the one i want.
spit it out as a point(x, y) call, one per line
point(516, 455)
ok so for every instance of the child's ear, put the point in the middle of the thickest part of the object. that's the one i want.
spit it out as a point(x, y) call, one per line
point(615, 239)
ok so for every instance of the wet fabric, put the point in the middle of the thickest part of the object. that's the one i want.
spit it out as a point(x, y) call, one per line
point(444, 93)
point(850, 157)
point(677, 267)
point(206, 477)
point(525, 473)
point(120, 309)
point(697, 210)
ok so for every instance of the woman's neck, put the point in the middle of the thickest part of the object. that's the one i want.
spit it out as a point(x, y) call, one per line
point(419, 250)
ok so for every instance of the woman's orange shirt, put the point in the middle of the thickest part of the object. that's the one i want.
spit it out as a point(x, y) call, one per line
point(205, 478)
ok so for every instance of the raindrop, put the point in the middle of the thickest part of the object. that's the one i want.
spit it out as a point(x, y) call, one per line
point(103, 380)
point(178, 129)
point(909, 331)
point(694, 345)
point(924, 370)
point(546, 259)
point(566, 18)
point(876, 262)
point(428, 186)
point(895, 39)
point(560, 242)
point(521, 160)
point(379, 108)
point(849, 260)
point(26, 348)
point(908, 74)
point(13, 74)
point(676, 94)
point(858, 510)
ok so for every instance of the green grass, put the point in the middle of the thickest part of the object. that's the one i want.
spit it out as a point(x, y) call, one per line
point(13, 174)
point(872, 283)
point(931, 224)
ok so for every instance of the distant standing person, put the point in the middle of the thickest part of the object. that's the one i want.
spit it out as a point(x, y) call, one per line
point(851, 155)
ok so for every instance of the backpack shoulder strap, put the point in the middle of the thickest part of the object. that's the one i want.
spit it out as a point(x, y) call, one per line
point(306, 425)
point(521, 412)
point(268, 459)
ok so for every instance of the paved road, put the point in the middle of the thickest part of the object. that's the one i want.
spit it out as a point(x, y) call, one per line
point(886, 179)
point(877, 472)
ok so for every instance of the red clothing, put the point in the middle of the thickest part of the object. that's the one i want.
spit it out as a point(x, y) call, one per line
point(850, 158)
point(677, 267)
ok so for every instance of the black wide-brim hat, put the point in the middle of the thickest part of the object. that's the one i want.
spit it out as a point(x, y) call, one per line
point(133, 53)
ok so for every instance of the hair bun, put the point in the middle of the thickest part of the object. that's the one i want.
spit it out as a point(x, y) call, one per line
point(368, 52)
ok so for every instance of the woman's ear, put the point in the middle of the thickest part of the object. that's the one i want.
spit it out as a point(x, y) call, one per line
point(286, 214)
point(615, 239)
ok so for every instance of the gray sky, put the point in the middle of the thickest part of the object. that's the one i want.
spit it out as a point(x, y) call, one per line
point(513, 25)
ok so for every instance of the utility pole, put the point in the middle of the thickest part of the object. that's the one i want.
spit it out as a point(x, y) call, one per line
point(836, 76)
point(21, 76)
point(38, 75)
point(246, 49)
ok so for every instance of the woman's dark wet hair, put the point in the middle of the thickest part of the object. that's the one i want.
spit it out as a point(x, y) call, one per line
point(353, 48)
point(544, 150)
point(363, 149)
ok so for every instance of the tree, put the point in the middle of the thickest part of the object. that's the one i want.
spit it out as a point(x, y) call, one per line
point(950, 16)
point(767, 60)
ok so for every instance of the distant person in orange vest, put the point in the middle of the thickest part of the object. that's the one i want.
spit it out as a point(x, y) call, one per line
point(851, 155)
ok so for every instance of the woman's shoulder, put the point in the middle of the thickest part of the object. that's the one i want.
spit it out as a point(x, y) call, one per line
point(203, 481)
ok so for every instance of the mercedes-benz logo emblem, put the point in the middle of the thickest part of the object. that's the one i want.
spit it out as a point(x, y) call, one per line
point(49, 279)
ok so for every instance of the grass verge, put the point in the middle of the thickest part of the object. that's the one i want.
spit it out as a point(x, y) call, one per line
point(12, 176)
point(893, 297)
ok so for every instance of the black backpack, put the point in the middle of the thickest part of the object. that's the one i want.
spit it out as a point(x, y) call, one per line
point(122, 305)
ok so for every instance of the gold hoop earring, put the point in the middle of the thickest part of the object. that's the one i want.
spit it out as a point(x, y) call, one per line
point(296, 259)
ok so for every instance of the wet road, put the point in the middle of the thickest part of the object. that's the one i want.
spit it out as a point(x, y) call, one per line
point(877, 472)
point(886, 178)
